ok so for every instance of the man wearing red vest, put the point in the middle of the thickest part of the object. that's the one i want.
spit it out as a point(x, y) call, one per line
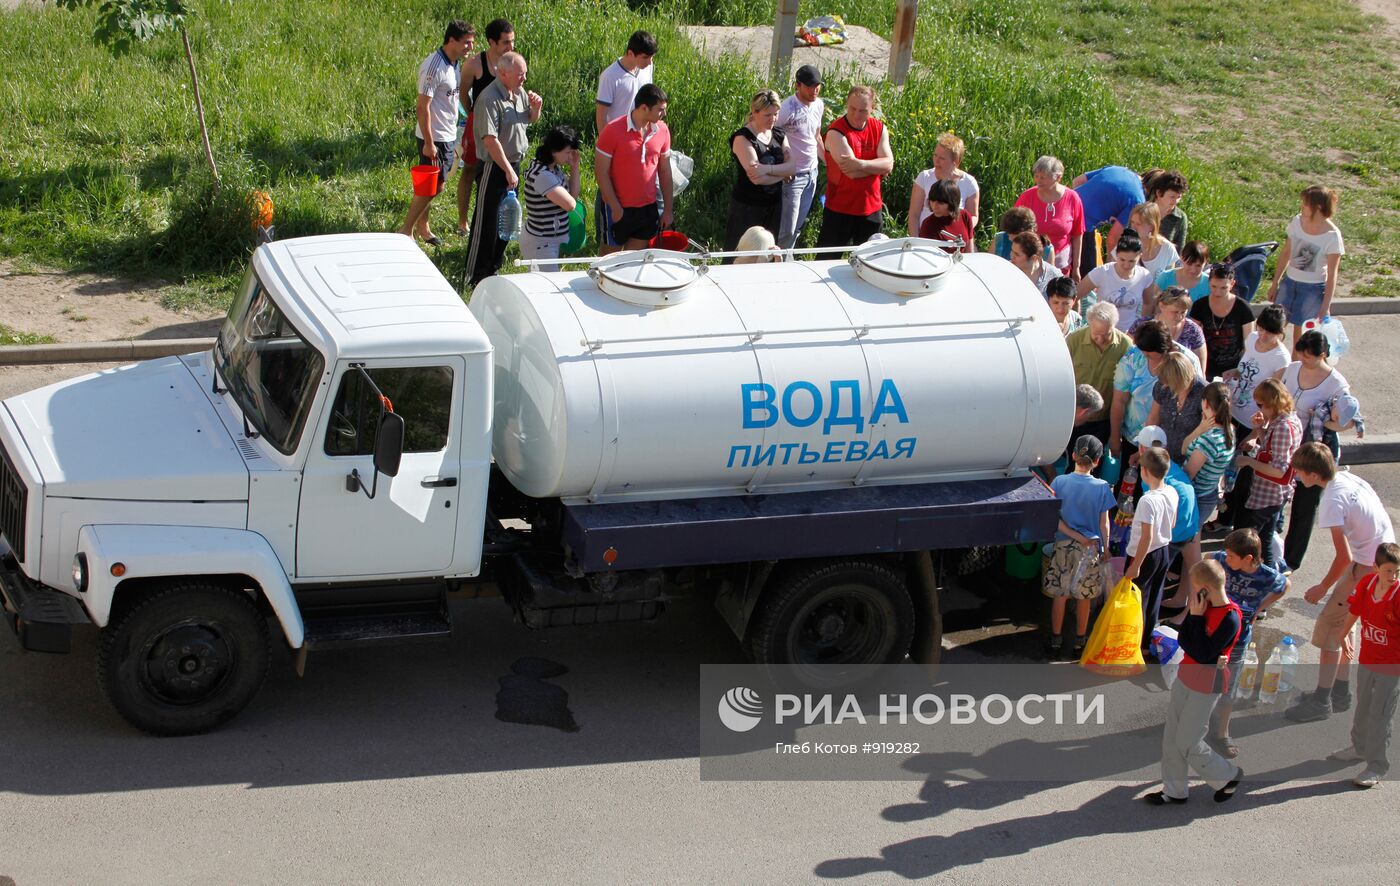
point(857, 156)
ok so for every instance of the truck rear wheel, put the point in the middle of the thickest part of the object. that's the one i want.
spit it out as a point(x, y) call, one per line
point(184, 659)
point(844, 612)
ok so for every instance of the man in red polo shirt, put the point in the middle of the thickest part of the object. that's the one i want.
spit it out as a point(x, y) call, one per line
point(632, 153)
point(857, 156)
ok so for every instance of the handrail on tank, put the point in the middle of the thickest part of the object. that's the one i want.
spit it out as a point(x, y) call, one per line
point(754, 335)
point(956, 244)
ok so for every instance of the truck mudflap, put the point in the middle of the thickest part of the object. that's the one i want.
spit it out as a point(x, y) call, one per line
point(41, 617)
point(799, 525)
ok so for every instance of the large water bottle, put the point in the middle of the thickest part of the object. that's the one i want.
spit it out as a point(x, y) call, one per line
point(1338, 341)
point(1288, 674)
point(508, 217)
point(1269, 683)
point(1249, 674)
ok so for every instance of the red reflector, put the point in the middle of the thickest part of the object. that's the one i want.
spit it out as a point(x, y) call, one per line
point(119, 569)
point(610, 556)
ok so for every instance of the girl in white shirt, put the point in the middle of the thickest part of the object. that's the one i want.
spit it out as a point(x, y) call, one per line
point(1307, 264)
point(1158, 253)
point(1125, 283)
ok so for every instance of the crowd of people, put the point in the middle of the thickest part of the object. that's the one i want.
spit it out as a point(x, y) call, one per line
point(1230, 430)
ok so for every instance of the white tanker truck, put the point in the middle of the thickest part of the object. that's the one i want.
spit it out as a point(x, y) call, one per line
point(790, 439)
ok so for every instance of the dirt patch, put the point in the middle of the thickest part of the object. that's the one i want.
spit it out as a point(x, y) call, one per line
point(89, 307)
point(1386, 9)
point(865, 56)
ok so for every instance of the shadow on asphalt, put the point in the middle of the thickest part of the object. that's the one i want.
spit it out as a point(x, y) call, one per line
point(1116, 811)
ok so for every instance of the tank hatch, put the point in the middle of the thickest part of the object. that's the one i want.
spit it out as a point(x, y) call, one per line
point(647, 277)
point(907, 266)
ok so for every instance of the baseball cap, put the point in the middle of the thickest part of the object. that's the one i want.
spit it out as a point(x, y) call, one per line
point(1088, 447)
point(808, 75)
point(1151, 435)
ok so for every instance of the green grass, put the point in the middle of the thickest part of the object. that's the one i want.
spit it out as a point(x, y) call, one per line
point(100, 167)
point(10, 336)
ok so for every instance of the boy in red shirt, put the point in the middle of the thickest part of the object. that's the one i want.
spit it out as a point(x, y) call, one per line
point(1375, 602)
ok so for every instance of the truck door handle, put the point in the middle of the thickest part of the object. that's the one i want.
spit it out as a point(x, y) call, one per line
point(432, 482)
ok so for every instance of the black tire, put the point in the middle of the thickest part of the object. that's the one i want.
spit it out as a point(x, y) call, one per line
point(854, 614)
point(184, 659)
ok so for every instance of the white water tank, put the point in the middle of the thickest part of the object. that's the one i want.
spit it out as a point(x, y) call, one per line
point(649, 378)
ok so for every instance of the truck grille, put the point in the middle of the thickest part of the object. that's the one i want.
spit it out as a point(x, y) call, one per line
point(14, 498)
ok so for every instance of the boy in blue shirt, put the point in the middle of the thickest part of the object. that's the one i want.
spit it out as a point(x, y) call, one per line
point(1254, 587)
point(1075, 567)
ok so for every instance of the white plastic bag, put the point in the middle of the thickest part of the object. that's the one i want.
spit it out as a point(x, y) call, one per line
point(1168, 652)
point(682, 168)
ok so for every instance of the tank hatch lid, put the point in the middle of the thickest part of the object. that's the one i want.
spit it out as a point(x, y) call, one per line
point(647, 277)
point(907, 266)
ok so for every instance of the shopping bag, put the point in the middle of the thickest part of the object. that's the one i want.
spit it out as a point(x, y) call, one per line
point(1166, 648)
point(1114, 646)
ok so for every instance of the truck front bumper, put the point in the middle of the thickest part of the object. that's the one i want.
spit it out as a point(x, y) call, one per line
point(41, 617)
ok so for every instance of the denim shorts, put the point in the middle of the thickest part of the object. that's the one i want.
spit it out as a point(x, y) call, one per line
point(1302, 301)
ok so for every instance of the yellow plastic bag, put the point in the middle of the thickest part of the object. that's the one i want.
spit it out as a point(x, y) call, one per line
point(1115, 644)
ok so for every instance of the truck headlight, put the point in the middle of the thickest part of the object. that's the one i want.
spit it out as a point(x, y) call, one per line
point(80, 572)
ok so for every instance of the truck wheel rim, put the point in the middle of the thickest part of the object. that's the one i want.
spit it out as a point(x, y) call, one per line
point(841, 626)
point(186, 664)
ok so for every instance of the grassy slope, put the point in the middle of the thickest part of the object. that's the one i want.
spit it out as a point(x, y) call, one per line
point(100, 168)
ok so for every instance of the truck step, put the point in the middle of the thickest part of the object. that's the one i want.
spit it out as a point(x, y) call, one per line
point(338, 632)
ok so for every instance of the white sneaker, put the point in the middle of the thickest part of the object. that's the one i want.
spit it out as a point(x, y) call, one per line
point(1347, 754)
point(1367, 779)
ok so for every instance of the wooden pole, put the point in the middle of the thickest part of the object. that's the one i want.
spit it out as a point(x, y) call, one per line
point(199, 108)
point(784, 31)
point(902, 46)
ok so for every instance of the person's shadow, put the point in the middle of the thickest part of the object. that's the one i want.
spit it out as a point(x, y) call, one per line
point(1113, 812)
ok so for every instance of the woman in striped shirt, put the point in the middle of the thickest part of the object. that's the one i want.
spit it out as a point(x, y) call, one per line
point(550, 196)
point(1210, 447)
point(1208, 450)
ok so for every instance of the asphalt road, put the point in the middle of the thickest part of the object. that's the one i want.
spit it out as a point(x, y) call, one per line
point(390, 765)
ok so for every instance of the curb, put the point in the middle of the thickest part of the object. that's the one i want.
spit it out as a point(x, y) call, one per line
point(1375, 449)
point(1351, 307)
point(100, 351)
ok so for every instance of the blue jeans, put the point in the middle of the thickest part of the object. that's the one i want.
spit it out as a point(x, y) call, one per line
point(796, 203)
point(1302, 301)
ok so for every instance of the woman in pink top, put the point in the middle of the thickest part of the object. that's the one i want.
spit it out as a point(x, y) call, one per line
point(1059, 215)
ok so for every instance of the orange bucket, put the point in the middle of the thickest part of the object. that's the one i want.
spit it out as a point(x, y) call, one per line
point(425, 180)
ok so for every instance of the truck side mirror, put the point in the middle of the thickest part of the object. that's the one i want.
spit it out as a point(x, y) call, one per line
point(388, 444)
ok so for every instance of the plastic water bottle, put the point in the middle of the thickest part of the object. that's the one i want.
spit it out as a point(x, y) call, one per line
point(1249, 674)
point(1122, 529)
point(1128, 487)
point(1232, 473)
point(1288, 675)
point(508, 217)
point(1269, 683)
point(1338, 341)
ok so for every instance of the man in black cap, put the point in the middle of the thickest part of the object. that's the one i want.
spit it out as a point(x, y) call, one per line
point(801, 118)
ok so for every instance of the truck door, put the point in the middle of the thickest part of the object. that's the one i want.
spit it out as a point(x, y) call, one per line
point(411, 524)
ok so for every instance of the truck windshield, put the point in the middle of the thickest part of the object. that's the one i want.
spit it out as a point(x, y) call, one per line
point(270, 369)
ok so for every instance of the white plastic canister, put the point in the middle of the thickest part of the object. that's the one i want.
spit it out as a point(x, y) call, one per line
point(770, 378)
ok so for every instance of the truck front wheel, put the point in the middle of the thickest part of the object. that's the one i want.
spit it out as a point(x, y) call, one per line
point(844, 612)
point(184, 659)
